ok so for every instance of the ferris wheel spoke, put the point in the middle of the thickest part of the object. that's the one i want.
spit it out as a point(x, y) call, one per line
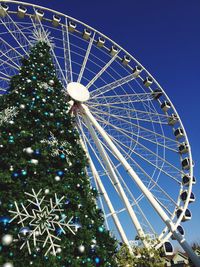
point(155, 183)
point(67, 52)
point(4, 78)
point(134, 201)
point(102, 71)
point(10, 52)
point(135, 113)
point(121, 99)
point(163, 205)
point(122, 129)
point(145, 131)
point(13, 65)
point(144, 158)
point(16, 33)
point(111, 86)
point(5, 74)
point(119, 144)
point(86, 58)
point(147, 150)
point(6, 56)
point(6, 48)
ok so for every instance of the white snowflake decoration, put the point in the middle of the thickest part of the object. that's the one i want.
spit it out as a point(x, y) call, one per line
point(8, 114)
point(43, 217)
point(58, 148)
point(41, 35)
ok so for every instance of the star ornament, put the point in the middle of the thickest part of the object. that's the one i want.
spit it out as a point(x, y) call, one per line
point(41, 35)
point(43, 217)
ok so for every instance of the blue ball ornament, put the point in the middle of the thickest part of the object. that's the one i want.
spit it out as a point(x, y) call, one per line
point(97, 260)
point(62, 156)
point(60, 173)
point(67, 201)
point(37, 152)
point(15, 175)
point(4, 220)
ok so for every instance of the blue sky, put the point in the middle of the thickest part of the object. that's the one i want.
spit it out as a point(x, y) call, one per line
point(164, 37)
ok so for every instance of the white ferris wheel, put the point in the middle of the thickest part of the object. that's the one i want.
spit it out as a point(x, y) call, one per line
point(139, 154)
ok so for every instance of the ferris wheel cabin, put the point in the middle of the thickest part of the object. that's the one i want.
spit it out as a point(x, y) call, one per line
point(184, 196)
point(165, 106)
point(56, 20)
point(183, 148)
point(173, 119)
point(186, 180)
point(168, 248)
point(3, 9)
point(186, 217)
point(21, 11)
point(179, 133)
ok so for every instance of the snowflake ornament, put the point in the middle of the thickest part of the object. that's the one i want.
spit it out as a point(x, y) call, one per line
point(43, 217)
point(8, 114)
point(58, 148)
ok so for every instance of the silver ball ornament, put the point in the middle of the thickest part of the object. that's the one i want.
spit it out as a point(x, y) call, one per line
point(58, 250)
point(28, 150)
point(80, 206)
point(46, 191)
point(11, 168)
point(8, 264)
point(94, 241)
point(22, 106)
point(51, 82)
point(34, 161)
point(7, 240)
point(57, 178)
point(24, 232)
point(81, 249)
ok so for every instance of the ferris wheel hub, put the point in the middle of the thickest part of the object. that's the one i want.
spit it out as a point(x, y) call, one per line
point(78, 92)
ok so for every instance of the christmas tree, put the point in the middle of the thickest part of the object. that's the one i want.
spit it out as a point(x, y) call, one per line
point(48, 212)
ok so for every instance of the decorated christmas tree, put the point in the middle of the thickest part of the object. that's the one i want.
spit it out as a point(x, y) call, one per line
point(48, 212)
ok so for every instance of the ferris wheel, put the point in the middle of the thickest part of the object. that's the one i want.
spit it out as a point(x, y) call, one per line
point(139, 155)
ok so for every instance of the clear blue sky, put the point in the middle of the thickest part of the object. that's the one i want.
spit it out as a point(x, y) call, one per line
point(165, 37)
